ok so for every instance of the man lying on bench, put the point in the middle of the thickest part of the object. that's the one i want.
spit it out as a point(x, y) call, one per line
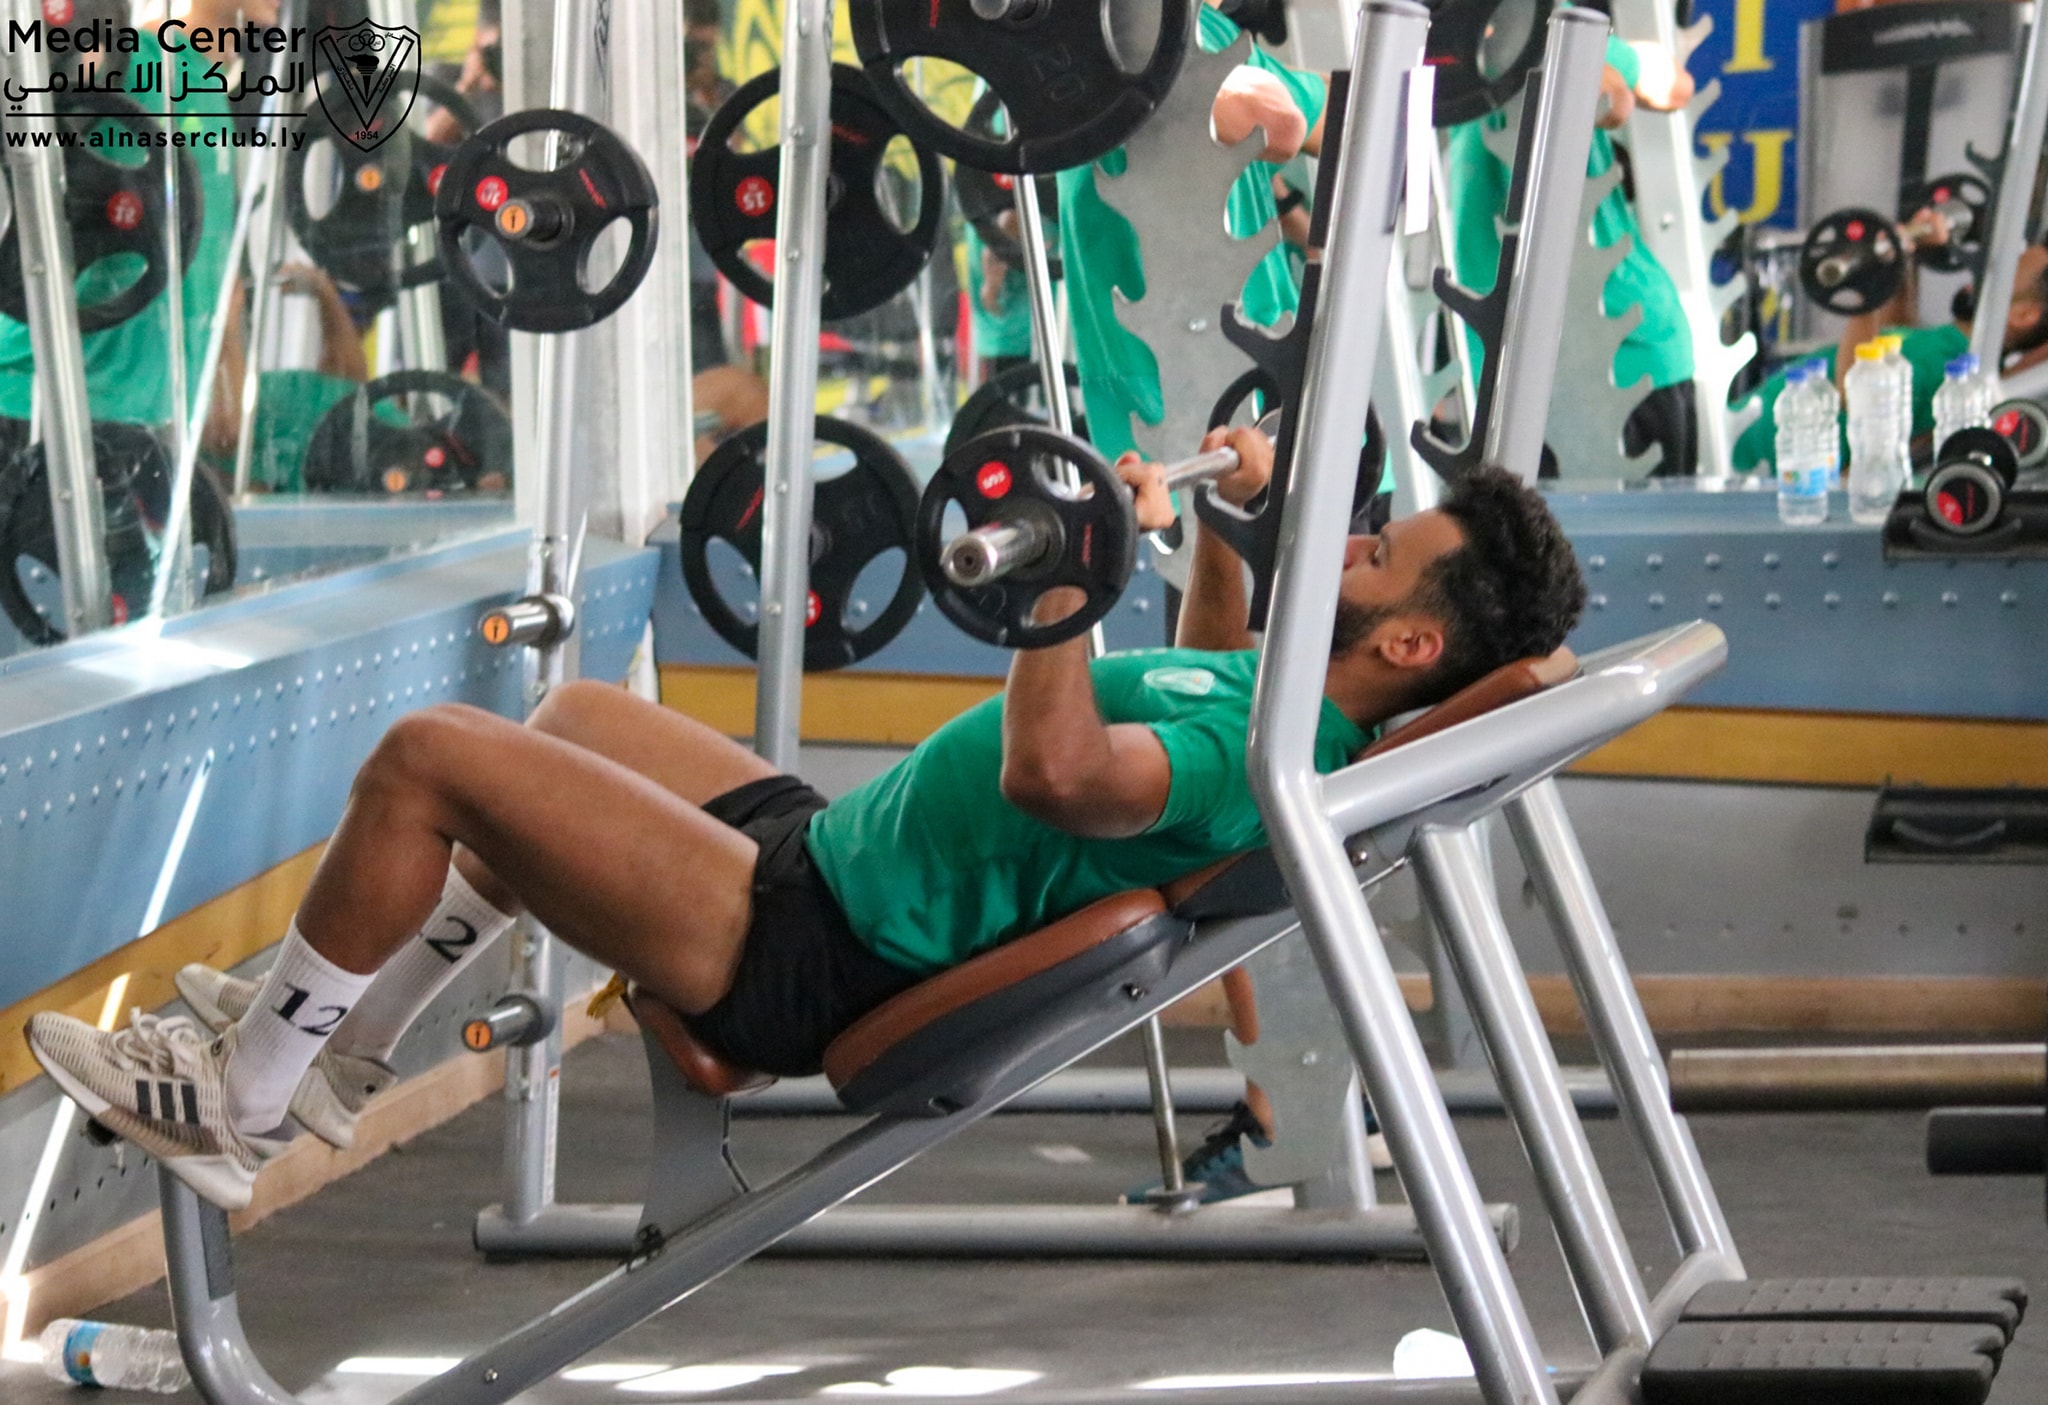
point(771, 919)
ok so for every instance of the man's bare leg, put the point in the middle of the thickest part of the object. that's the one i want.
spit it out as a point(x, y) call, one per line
point(616, 864)
point(683, 756)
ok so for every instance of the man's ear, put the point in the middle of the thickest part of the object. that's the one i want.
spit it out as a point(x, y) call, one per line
point(2025, 314)
point(1410, 641)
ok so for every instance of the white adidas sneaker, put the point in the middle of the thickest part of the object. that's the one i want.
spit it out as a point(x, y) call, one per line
point(158, 1083)
point(336, 1088)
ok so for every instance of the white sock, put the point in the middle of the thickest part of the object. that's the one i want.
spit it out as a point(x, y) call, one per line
point(302, 1002)
point(463, 925)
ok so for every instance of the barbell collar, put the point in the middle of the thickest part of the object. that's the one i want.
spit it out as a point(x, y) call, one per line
point(537, 621)
point(988, 553)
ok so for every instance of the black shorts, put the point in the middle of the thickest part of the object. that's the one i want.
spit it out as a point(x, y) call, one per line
point(803, 975)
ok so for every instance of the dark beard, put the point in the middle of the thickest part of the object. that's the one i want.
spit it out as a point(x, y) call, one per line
point(1353, 623)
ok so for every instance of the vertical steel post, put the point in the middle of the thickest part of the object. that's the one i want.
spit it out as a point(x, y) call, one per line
point(1548, 225)
point(1397, 389)
point(171, 589)
point(1668, 192)
point(653, 330)
point(2015, 194)
point(1046, 341)
point(1614, 1015)
point(258, 176)
point(533, 1074)
point(793, 378)
point(1457, 884)
point(1343, 346)
point(264, 240)
point(66, 419)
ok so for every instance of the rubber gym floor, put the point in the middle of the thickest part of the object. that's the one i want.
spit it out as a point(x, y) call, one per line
point(379, 1265)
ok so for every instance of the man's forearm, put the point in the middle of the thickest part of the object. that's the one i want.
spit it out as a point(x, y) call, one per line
point(341, 350)
point(1214, 609)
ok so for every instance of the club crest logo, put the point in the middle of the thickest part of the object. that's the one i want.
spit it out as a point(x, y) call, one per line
point(367, 76)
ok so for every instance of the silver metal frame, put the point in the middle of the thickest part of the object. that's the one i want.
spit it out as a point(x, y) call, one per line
point(2023, 139)
point(699, 1224)
point(793, 377)
point(47, 275)
point(1420, 800)
point(1533, 324)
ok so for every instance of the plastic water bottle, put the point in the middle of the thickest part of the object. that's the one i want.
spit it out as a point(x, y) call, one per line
point(1827, 418)
point(1877, 467)
point(109, 1354)
point(1964, 400)
point(1802, 471)
point(1902, 388)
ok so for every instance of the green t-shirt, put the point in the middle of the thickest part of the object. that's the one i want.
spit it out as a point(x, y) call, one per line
point(932, 865)
point(1927, 349)
point(127, 368)
point(1004, 333)
point(1660, 346)
point(289, 406)
point(1119, 375)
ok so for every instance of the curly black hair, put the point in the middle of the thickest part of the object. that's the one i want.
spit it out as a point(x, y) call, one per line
point(1511, 591)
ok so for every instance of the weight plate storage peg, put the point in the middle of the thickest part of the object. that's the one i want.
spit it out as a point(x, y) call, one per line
point(869, 256)
point(548, 223)
point(377, 196)
point(115, 210)
point(410, 432)
point(856, 517)
point(1053, 64)
point(1011, 478)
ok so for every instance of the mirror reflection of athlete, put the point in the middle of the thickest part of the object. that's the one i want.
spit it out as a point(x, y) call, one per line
point(1659, 347)
point(768, 917)
point(1928, 350)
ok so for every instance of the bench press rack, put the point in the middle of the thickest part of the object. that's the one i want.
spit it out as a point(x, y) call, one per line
point(946, 1053)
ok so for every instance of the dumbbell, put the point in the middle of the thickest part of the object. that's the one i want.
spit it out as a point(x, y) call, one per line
point(1967, 488)
point(1851, 261)
point(1028, 532)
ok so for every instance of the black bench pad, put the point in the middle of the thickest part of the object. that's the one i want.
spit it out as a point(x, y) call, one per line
point(1822, 1363)
point(1989, 1302)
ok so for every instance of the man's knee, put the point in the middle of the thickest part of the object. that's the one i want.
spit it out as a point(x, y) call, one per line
point(422, 747)
point(577, 708)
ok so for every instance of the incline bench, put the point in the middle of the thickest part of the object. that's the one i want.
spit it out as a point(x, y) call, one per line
point(936, 1059)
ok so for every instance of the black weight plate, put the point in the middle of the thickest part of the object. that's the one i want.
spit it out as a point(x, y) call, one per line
point(114, 210)
point(2025, 426)
point(985, 196)
point(1051, 63)
point(1011, 472)
point(135, 483)
point(1966, 200)
point(354, 449)
point(869, 258)
point(597, 181)
point(1483, 51)
point(1015, 396)
point(379, 195)
point(1851, 262)
point(856, 517)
